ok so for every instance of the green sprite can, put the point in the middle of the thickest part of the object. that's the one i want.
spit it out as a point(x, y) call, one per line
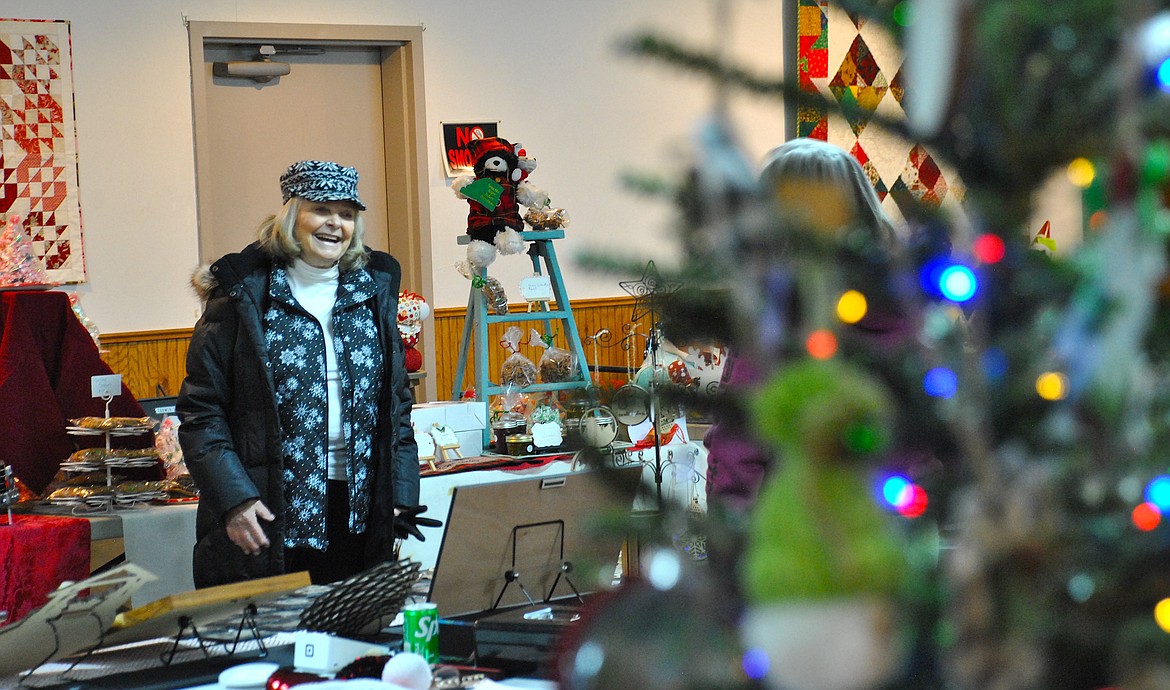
point(420, 630)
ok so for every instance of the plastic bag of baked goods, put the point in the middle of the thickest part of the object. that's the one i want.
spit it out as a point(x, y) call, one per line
point(556, 364)
point(518, 370)
point(547, 218)
point(511, 400)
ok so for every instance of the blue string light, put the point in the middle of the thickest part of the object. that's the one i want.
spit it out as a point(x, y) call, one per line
point(1163, 75)
point(957, 283)
point(897, 491)
point(940, 382)
point(943, 277)
point(756, 663)
point(995, 363)
point(1158, 492)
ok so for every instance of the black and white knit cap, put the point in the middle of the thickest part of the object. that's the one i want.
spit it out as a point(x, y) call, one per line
point(320, 181)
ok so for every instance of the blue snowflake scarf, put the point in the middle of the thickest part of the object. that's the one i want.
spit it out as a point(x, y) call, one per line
point(296, 346)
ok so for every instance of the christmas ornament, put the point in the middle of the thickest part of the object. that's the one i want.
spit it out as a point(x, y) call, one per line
point(75, 303)
point(822, 557)
point(838, 644)
point(18, 264)
point(412, 309)
point(1043, 240)
point(826, 418)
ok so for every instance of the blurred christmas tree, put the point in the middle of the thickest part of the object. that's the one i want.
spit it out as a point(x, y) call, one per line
point(1031, 406)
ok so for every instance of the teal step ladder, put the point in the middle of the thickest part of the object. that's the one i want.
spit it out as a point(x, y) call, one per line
point(475, 324)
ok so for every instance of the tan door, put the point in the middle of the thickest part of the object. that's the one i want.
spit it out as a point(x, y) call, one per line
point(329, 107)
point(354, 94)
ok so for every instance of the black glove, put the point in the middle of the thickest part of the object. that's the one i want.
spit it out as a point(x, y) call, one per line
point(407, 522)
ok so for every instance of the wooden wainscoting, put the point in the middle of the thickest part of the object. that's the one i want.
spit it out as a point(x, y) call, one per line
point(153, 363)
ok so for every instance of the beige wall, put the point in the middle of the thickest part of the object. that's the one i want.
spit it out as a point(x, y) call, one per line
point(549, 71)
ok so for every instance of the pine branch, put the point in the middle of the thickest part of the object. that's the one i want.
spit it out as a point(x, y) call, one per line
point(705, 64)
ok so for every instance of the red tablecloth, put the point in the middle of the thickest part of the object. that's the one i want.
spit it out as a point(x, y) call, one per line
point(46, 360)
point(38, 553)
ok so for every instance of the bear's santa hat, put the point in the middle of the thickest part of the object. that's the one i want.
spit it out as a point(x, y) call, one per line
point(482, 149)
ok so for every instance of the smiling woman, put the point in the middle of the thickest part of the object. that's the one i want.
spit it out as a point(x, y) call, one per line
point(324, 230)
point(329, 481)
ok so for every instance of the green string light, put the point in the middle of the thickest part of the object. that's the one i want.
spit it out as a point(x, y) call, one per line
point(903, 14)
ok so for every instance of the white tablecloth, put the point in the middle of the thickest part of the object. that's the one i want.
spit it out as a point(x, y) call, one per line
point(160, 539)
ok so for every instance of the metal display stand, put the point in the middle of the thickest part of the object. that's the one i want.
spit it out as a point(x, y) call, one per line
point(475, 324)
point(632, 403)
point(513, 574)
point(9, 494)
point(106, 387)
point(247, 620)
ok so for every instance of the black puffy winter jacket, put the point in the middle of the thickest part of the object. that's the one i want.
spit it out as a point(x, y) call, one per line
point(229, 426)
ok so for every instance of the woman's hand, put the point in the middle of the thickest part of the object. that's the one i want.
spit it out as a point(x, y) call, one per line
point(243, 526)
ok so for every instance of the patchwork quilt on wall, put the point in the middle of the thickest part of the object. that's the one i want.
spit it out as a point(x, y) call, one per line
point(38, 142)
point(859, 65)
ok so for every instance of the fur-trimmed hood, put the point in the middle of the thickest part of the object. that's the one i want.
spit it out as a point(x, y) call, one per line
point(203, 282)
point(228, 270)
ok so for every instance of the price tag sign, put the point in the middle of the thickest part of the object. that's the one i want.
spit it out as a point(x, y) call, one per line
point(536, 289)
point(444, 436)
point(107, 386)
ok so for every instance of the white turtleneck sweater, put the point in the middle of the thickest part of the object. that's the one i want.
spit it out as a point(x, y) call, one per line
point(316, 290)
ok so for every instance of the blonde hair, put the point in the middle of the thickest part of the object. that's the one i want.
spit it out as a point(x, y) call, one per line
point(277, 235)
point(805, 158)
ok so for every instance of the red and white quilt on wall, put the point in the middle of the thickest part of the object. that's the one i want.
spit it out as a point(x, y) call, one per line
point(38, 142)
